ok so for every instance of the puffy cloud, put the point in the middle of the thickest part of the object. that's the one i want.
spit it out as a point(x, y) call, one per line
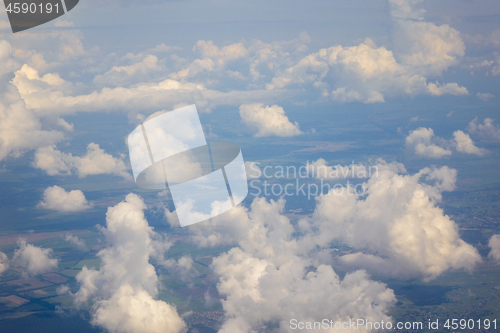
point(268, 120)
point(258, 293)
point(466, 145)
point(368, 73)
point(123, 290)
point(278, 269)
point(485, 97)
point(397, 224)
point(364, 73)
point(182, 267)
point(425, 47)
point(420, 143)
point(95, 162)
point(487, 131)
point(135, 311)
point(266, 280)
point(57, 198)
point(167, 94)
point(494, 244)
point(35, 260)
point(214, 59)
point(125, 75)
point(20, 128)
point(226, 53)
point(4, 262)
point(79, 243)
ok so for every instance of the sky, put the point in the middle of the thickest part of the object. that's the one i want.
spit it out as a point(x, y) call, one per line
point(262, 73)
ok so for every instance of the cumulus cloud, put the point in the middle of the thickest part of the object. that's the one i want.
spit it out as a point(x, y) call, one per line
point(95, 162)
point(20, 128)
point(266, 279)
point(263, 72)
point(466, 145)
point(420, 142)
point(368, 73)
point(494, 244)
point(57, 198)
point(79, 243)
point(396, 224)
point(277, 268)
point(125, 75)
point(429, 49)
point(123, 290)
point(35, 260)
point(258, 293)
point(268, 120)
point(487, 131)
point(4, 262)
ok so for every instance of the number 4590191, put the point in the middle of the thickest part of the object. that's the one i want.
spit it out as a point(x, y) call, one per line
point(31, 8)
point(454, 324)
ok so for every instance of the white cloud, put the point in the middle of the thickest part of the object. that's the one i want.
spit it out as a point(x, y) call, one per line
point(466, 145)
point(123, 290)
point(420, 142)
point(125, 75)
point(35, 260)
point(57, 198)
point(494, 244)
point(278, 269)
point(95, 162)
point(258, 292)
point(79, 243)
point(368, 73)
point(53, 101)
point(268, 120)
point(485, 97)
point(487, 132)
point(20, 128)
point(4, 262)
point(265, 280)
point(397, 224)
